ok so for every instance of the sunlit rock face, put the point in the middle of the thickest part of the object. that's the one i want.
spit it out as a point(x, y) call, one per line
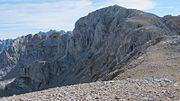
point(101, 42)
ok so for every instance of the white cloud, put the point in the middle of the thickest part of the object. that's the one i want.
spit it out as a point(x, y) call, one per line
point(57, 15)
point(46, 15)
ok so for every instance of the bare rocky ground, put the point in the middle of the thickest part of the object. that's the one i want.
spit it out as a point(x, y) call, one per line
point(154, 75)
point(133, 90)
point(159, 61)
point(108, 51)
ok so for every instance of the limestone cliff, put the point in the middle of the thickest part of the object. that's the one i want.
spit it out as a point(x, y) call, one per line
point(101, 42)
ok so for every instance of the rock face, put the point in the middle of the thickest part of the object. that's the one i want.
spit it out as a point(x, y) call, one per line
point(101, 42)
point(158, 61)
point(175, 19)
point(4, 44)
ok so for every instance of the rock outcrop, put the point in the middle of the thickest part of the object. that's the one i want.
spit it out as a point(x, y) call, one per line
point(101, 42)
point(54, 31)
point(175, 19)
point(4, 44)
point(160, 60)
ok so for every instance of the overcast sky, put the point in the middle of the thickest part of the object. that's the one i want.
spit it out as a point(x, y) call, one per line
point(21, 17)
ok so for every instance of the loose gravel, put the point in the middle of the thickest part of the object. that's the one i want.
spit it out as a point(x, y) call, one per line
point(125, 90)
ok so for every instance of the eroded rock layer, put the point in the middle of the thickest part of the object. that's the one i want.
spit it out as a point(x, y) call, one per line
point(101, 42)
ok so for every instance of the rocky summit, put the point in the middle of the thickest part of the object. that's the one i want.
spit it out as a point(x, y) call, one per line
point(103, 45)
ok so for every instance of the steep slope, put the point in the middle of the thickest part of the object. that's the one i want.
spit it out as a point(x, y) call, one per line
point(4, 44)
point(101, 42)
point(158, 61)
point(151, 75)
point(175, 19)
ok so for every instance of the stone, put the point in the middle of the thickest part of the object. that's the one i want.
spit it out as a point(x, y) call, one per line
point(101, 42)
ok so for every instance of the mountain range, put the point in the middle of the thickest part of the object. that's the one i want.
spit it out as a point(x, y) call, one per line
point(104, 45)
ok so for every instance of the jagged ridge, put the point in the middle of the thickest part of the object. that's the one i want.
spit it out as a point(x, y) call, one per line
point(100, 44)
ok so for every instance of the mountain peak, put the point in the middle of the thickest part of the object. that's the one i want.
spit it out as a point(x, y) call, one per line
point(103, 42)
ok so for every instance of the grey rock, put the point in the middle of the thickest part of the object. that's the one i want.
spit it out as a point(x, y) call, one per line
point(4, 44)
point(175, 19)
point(131, 89)
point(54, 31)
point(101, 42)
